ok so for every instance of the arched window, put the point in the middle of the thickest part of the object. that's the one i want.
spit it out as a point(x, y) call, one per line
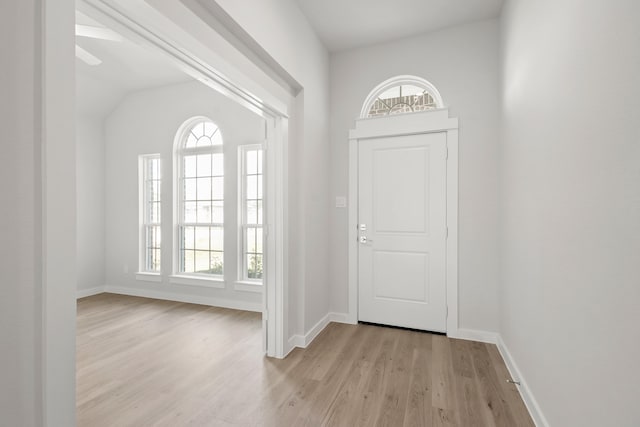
point(199, 201)
point(402, 94)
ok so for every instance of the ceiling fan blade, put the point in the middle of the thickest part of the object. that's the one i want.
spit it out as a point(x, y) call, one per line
point(97, 33)
point(87, 57)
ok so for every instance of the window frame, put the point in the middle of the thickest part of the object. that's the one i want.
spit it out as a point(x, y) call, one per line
point(144, 160)
point(180, 151)
point(243, 226)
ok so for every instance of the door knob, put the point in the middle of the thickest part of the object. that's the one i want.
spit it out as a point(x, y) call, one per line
point(363, 239)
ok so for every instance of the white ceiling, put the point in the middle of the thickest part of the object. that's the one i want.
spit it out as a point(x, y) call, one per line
point(126, 67)
point(345, 24)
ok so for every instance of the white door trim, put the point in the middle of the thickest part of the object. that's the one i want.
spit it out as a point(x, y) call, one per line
point(397, 125)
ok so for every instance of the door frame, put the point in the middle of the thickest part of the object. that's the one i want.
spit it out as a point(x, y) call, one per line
point(434, 121)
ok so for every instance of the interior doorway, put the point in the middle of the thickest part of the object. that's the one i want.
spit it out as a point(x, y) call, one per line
point(246, 260)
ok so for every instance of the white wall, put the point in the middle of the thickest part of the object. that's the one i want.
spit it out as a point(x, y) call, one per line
point(90, 153)
point(462, 62)
point(283, 31)
point(20, 234)
point(571, 206)
point(146, 122)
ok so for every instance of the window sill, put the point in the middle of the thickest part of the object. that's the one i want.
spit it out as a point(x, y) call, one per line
point(148, 277)
point(247, 286)
point(206, 282)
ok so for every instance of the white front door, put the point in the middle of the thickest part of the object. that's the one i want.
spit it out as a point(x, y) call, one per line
point(402, 231)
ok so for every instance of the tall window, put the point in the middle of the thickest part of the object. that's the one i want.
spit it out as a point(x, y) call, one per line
point(200, 198)
point(251, 208)
point(150, 211)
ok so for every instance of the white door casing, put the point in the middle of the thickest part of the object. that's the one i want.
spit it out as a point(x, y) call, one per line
point(402, 231)
point(410, 127)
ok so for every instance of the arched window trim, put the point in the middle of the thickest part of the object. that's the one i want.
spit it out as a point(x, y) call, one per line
point(397, 81)
point(179, 150)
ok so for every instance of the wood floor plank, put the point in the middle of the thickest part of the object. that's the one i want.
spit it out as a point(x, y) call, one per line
point(143, 362)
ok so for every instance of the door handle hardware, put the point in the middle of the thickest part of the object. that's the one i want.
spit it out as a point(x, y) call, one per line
point(364, 239)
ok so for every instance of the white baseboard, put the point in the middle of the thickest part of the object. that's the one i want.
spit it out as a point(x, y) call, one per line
point(525, 392)
point(192, 299)
point(341, 318)
point(475, 335)
point(82, 293)
point(303, 341)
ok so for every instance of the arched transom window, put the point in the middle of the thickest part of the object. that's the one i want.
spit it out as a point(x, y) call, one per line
point(200, 201)
point(399, 95)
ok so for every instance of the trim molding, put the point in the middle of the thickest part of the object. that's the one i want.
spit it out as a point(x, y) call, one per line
point(83, 293)
point(303, 341)
point(525, 392)
point(475, 335)
point(192, 299)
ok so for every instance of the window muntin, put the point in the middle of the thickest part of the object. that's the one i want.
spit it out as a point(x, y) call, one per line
point(201, 201)
point(251, 206)
point(402, 99)
point(151, 208)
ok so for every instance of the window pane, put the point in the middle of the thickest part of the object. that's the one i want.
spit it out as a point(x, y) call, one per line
point(259, 186)
point(202, 238)
point(204, 165)
point(252, 162)
point(218, 189)
point(155, 191)
point(204, 188)
point(254, 266)
point(190, 186)
point(217, 238)
point(155, 260)
point(259, 241)
point(190, 212)
point(217, 138)
point(251, 239)
point(209, 129)
point(204, 212)
point(252, 212)
point(191, 141)
point(259, 161)
point(198, 130)
point(218, 213)
point(203, 141)
point(252, 187)
point(188, 261)
point(189, 166)
point(260, 212)
point(217, 262)
point(157, 236)
point(202, 261)
point(218, 164)
point(154, 212)
point(188, 236)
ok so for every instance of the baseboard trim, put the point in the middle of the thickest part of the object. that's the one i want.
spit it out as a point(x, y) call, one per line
point(475, 335)
point(525, 392)
point(303, 341)
point(192, 299)
point(341, 318)
point(83, 293)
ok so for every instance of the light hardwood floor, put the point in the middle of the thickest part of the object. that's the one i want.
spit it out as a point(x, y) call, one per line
point(144, 362)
